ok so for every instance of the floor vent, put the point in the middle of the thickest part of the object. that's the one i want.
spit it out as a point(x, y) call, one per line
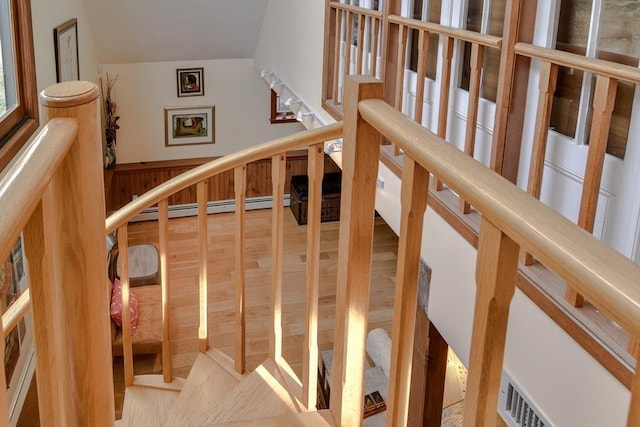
point(516, 408)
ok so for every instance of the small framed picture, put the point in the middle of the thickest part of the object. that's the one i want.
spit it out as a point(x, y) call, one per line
point(190, 81)
point(189, 125)
point(65, 41)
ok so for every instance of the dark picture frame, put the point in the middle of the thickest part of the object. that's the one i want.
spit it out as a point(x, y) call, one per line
point(65, 42)
point(190, 81)
point(189, 125)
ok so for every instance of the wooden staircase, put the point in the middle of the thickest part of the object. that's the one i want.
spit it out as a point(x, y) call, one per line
point(214, 394)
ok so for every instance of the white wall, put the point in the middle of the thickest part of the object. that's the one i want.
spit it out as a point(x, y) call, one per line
point(291, 44)
point(48, 14)
point(241, 99)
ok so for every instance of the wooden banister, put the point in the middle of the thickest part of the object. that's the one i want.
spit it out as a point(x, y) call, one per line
point(605, 277)
point(356, 9)
point(596, 66)
point(197, 174)
point(444, 30)
point(16, 312)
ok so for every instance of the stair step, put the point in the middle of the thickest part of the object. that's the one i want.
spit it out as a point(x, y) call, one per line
point(208, 382)
point(321, 418)
point(260, 395)
point(145, 406)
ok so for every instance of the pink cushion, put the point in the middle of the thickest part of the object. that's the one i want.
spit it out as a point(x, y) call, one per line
point(116, 306)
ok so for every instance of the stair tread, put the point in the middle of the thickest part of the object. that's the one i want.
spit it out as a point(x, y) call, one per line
point(145, 406)
point(259, 395)
point(321, 418)
point(208, 382)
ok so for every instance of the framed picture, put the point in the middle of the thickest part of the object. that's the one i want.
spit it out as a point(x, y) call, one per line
point(190, 81)
point(65, 41)
point(189, 125)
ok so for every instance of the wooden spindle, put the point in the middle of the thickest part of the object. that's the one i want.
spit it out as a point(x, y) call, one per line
point(240, 188)
point(633, 420)
point(348, 38)
point(127, 344)
point(603, 102)
point(496, 271)
point(74, 206)
point(4, 400)
point(203, 329)
point(360, 162)
point(278, 174)
point(477, 59)
point(400, 66)
point(337, 57)
point(375, 22)
point(360, 55)
point(163, 231)
point(415, 181)
point(315, 167)
point(633, 347)
point(443, 110)
point(546, 89)
point(423, 50)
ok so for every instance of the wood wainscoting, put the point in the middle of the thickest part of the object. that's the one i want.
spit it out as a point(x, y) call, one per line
point(132, 179)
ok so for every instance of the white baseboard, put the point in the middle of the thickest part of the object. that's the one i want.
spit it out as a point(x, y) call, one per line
point(218, 206)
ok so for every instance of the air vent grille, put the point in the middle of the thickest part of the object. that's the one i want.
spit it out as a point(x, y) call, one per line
point(516, 408)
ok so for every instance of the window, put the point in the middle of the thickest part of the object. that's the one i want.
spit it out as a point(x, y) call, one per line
point(607, 30)
point(18, 92)
point(486, 17)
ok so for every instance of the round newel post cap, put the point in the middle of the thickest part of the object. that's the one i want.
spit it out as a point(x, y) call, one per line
point(69, 94)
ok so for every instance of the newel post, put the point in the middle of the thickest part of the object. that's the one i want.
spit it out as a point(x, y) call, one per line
point(360, 158)
point(73, 217)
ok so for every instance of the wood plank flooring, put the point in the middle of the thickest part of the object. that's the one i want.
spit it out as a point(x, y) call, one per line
point(183, 276)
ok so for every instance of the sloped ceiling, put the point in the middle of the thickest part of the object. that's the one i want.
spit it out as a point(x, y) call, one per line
point(128, 31)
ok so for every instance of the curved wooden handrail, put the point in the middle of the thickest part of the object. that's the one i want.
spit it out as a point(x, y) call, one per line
point(572, 60)
point(16, 312)
point(456, 33)
point(195, 175)
point(356, 9)
point(22, 184)
point(608, 279)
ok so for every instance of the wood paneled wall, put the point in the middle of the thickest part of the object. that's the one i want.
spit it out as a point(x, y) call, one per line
point(127, 180)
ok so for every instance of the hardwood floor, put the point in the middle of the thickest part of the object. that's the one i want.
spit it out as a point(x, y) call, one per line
point(183, 276)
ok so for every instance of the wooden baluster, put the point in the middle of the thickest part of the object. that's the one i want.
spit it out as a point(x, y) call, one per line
point(4, 401)
point(203, 329)
point(359, 161)
point(348, 37)
point(163, 229)
point(127, 345)
point(633, 347)
point(375, 22)
point(336, 61)
point(604, 99)
point(400, 66)
point(443, 111)
point(48, 331)
point(359, 58)
point(477, 59)
point(423, 50)
point(315, 172)
point(546, 88)
point(415, 181)
point(278, 174)
point(496, 271)
point(240, 187)
point(73, 210)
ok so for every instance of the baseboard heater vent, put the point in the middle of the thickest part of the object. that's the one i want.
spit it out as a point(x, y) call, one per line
point(218, 206)
point(516, 408)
